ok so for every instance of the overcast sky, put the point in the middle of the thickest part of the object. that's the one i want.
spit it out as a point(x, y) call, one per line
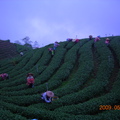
point(47, 21)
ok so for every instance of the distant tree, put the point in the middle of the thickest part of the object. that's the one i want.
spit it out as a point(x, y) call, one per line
point(27, 42)
point(28, 45)
point(35, 45)
point(26, 39)
point(18, 42)
point(8, 40)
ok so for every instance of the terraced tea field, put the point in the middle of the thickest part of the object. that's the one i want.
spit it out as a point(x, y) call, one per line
point(84, 75)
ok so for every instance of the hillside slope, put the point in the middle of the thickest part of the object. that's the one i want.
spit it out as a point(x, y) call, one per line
point(7, 49)
point(10, 50)
point(84, 75)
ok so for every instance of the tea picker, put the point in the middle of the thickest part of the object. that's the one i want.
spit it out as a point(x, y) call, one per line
point(48, 96)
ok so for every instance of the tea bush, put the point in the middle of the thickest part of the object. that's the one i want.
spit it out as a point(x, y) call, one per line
point(83, 75)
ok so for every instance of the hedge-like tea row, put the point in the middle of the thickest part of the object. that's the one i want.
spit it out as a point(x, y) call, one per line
point(55, 63)
point(69, 45)
point(59, 75)
point(106, 115)
point(22, 86)
point(7, 115)
point(34, 59)
point(31, 112)
point(5, 64)
point(115, 44)
point(45, 58)
point(102, 80)
point(57, 81)
point(23, 62)
point(69, 74)
point(8, 64)
point(53, 66)
point(31, 69)
point(17, 75)
point(27, 100)
point(13, 83)
point(82, 73)
point(14, 71)
point(61, 69)
point(90, 91)
point(93, 105)
point(65, 69)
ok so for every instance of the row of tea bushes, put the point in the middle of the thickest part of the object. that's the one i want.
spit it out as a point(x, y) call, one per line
point(93, 105)
point(59, 54)
point(81, 75)
point(54, 78)
point(90, 91)
point(60, 77)
point(8, 115)
point(31, 113)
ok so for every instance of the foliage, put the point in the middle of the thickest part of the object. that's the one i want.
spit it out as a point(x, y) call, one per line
point(80, 74)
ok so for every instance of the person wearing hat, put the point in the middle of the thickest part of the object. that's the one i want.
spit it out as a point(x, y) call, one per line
point(107, 41)
point(56, 45)
point(30, 80)
point(90, 37)
point(47, 96)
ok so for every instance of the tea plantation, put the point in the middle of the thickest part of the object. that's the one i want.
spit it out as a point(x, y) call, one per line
point(84, 75)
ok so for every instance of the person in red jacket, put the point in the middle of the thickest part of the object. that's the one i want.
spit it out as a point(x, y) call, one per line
point(30, 80)
point(77, 40)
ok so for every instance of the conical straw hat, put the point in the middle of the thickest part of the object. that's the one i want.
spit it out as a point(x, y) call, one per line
point(50, 94)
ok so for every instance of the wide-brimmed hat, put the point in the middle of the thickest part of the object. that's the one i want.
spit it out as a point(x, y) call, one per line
point(49, 93)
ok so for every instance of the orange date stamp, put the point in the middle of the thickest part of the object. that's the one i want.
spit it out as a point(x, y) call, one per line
point(109, 107)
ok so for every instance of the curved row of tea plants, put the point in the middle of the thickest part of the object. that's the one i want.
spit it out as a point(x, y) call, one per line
point(71, 74)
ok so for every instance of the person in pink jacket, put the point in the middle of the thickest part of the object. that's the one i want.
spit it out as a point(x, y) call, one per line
point(30, 80)
point(96, 39)
point(4, 76)
point(107, 41)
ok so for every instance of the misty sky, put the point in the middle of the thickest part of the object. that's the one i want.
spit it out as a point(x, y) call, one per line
point(47, 21)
